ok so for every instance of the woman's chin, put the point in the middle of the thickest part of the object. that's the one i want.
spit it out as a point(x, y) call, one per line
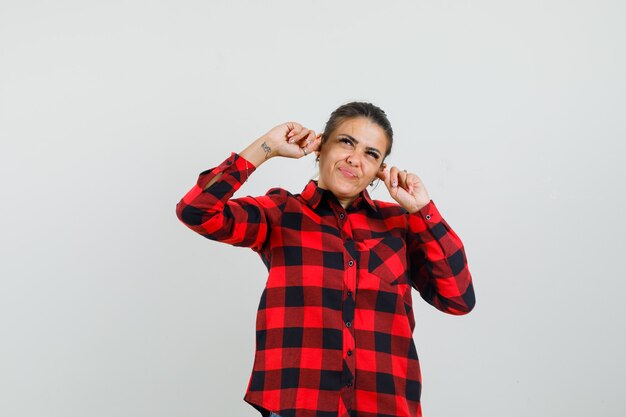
point(345, 189)
point(342, 186)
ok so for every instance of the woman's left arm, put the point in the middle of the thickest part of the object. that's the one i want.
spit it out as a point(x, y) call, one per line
point(437, 261)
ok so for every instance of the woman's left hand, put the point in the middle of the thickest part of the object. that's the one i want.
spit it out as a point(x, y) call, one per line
point(406, 188)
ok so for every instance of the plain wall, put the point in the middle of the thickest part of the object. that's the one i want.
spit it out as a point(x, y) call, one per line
point(511, 112)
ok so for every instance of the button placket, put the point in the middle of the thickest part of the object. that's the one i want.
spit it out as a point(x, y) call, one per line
point(350, 282)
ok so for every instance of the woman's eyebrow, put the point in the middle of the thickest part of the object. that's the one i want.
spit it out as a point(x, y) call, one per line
point(369, 148)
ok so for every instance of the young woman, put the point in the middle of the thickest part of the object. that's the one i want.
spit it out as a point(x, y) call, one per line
point(335, 321)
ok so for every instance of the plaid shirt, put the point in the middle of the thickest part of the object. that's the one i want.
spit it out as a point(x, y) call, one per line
point(335, 321)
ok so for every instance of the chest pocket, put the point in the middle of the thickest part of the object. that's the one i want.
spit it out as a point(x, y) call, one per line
point(386, 258)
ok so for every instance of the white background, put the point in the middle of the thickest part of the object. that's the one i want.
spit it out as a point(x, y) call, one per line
point(512, 112)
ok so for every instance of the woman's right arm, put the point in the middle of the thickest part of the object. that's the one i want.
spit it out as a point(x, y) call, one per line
point(208, 208)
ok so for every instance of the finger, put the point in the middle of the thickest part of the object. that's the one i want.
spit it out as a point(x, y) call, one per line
point(393, 174)
point(412, 181)
point(307, 141)
point(315, 145)
point(402, 179)
point(293, 133)
point(393, 183)
point(387, 182)
point(300, 135)
point(294, 128)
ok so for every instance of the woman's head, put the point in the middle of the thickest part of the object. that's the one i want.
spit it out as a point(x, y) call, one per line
point(355, 142)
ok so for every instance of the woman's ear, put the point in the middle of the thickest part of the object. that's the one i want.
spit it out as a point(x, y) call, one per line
point(318, 151)
point(319, 147)
point(381, 171)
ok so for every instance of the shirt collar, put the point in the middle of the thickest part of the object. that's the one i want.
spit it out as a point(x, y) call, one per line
point(313, 195)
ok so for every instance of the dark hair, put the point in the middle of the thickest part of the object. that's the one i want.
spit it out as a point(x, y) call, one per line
point(359, 109)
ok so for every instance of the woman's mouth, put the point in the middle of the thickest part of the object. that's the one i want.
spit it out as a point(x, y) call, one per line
point(347, 173)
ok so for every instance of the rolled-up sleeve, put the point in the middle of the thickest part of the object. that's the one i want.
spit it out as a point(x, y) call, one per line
point(213, 213)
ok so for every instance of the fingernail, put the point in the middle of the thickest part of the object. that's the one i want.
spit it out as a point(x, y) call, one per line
point(394, 184)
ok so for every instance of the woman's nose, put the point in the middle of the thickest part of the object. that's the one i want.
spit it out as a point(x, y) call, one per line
point(352, 159)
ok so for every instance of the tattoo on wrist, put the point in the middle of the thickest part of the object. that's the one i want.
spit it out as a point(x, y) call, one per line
point(266, 149)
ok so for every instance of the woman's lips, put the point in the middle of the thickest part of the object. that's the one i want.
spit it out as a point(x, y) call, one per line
point(347, 173)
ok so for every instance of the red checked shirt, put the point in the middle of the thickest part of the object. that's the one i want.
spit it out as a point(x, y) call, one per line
point(335, 321)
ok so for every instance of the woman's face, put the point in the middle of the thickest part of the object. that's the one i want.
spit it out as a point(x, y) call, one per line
point(351, 157)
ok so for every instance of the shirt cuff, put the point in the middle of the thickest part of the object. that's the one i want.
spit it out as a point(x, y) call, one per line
point(425, 218)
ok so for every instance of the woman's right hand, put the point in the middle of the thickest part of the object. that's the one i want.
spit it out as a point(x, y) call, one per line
point(291, 140)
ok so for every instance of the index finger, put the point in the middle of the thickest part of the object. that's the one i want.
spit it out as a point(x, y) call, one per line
point(294, 128)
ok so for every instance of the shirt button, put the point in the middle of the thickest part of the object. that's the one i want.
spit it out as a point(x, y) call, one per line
point(350, 262)
point(341, 216)
point(349, 384)
point(349, 293)
point(348, 324)
point(428, 217)
point(349, 352)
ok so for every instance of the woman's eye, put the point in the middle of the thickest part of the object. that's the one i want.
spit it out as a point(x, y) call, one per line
point(345, 140)
point(373, 155)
